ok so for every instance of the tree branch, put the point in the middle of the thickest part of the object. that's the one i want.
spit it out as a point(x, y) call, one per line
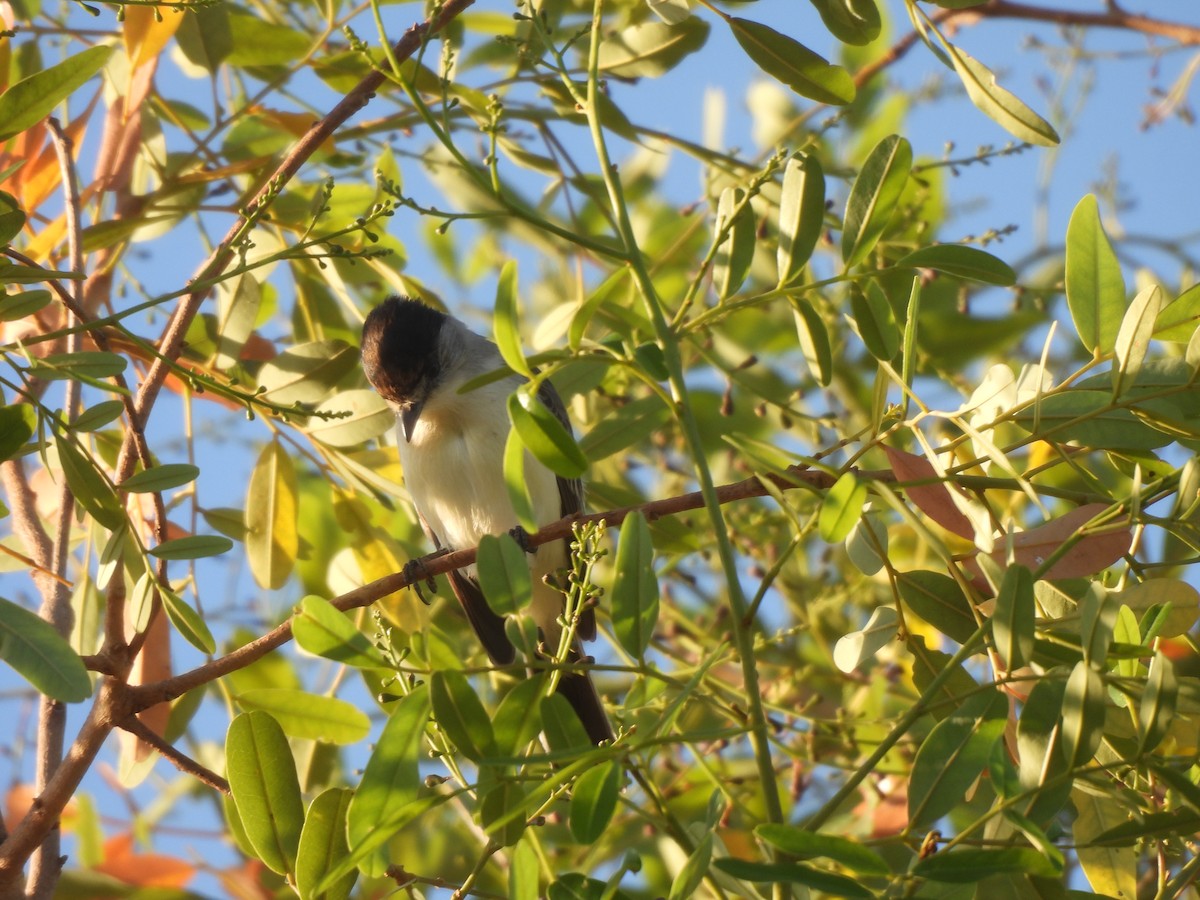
point(170, 688)
point(1115, 17)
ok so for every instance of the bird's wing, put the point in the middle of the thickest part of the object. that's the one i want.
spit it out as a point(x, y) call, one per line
point(570, 492)
point(487, 625)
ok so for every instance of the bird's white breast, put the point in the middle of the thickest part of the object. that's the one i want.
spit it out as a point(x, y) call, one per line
point(454, 470)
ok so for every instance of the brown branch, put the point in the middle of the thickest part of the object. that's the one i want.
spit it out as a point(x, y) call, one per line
point(181, 761)
point(47, 807)
point(1115, 17)
point(1003, 9)
point(170, 688)
point(46, 863)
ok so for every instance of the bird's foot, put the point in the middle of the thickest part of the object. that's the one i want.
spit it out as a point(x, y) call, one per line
point(521, 536)
point(415, 571)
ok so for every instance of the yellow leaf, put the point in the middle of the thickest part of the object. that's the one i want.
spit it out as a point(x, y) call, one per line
point(272, 540)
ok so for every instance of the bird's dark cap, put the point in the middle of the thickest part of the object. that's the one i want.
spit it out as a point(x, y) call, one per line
point(400, 349)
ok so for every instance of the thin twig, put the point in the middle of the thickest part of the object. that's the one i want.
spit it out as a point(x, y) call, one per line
point(170, 688)
point(181, 761)
point(46, 863)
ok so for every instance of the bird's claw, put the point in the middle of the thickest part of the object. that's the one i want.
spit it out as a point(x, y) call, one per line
point(521, 536)
point(415, 571)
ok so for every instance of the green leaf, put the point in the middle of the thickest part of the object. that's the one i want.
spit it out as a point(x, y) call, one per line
point(187, 622)
point(502, 804)
point(504, 574)
point(962, 262)
point(98, 415)
point(258, 42)
point(814, 340)
point(205, 36)
point(1111, 871)
point(801, 215)
point(10, 274)
point(12, 220)
point(237, 311)
point(518, 719)
point(874, 196)
point(506, 326)
point(850, 21)
point(635, 587)
point(841, 508)
point(1177, 321)
point(1039, 734)
point(1133, 337)
point(593, 801)
point(855, 648)
point(789, 61)
point(25, 303)
point(262, 779)
point(1002, 107)
point(651, 49)
point(875, 320)
point(364, 416)
point(545, 436)
point(458, 712)
point(1095, 287)
point(969, 866)
point(309, 716)
point(31, 99)
point(17, 424)
point(514, 481)
point(734, 228)
point(392, 776)
point(86, 364)
point(1097, 619)
point(691, 874)
point(564, 731)
point(322, 629)
point(323, 845)
point(624, 426)
point(195, 546)
point(1013, 617)
point(307, 372)
point(523, 872)
point(953, 756)
point(160, 478)
point(39, 655)
point(938, 600)
point(92, 491)
point(793, 873)
point(804, 844)
point(1156, 709)
point(1089, 418)
point(1083, 713)
point(272, 536)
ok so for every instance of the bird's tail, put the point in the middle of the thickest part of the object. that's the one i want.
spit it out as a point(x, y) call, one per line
point(580, 692)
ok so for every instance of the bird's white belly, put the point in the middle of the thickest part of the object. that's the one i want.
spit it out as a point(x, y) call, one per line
point(456, 480)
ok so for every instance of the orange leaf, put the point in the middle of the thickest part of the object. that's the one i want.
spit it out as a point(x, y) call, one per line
point(143, 869)
point(933, 498)
point(147, 33)
point(1094, 552)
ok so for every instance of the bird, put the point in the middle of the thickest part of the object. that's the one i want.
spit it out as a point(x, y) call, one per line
point(451, 445)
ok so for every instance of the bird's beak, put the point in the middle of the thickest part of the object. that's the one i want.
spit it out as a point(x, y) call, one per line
point(408, 419)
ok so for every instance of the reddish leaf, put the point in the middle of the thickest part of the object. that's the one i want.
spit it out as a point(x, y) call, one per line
point(1092, 553)
point(143, 869)
point(934, 498)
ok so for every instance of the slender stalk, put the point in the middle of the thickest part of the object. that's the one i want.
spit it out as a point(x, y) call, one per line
point(742, 624)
